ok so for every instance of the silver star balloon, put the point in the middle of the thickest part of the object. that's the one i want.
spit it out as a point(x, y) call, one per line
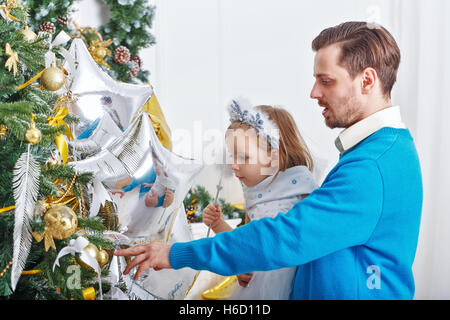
point(105, 132)
point(121, 157)
point(97, 93)
point(135, 153)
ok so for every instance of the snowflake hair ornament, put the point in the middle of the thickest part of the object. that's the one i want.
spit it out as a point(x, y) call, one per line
point(241, 111)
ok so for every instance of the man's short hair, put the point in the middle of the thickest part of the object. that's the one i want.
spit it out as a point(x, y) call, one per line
point(362, 46)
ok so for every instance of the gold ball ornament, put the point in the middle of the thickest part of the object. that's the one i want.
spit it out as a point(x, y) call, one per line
point(62, 221)
point(100, 52)
point(53, 78)
point(33, 135)
point(29, 35)
point(102, 257)
point(53, 162)
point(91, 250)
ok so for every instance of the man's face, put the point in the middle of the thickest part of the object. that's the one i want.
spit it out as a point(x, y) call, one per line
point(335, 90)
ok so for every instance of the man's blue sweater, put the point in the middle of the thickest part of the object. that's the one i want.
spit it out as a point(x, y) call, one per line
point(355, 237)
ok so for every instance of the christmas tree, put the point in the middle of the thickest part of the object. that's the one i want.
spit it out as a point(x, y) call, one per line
point(126, 33)
point(43, 202)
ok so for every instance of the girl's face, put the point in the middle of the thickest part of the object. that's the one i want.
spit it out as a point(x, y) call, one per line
point(252, 162)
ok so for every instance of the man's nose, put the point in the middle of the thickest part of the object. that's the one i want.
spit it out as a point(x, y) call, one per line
point(315, 92)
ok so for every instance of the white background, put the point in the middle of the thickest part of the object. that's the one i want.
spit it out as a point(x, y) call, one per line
point(209, 51)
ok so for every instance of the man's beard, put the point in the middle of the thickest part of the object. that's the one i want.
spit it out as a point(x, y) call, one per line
point(350, 116)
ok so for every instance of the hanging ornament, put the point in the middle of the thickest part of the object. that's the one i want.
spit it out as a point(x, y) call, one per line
point(108, 214)
point(26, 189)
point(11, 62)
point(87, 256)
point(53, 162)
point(102, 257)
point(121, 55)
point(11, 4)
point(137, 59)
point(98, 49)
point(33, 135)
point(63, 20)
point(65, 195)
point(136, 63)
point(28, 34)
point(47, 27)
point(53, 78)
point(135, 68)
point(61, 223)
point(56, 121)
point(92, 251)
point(3, 131)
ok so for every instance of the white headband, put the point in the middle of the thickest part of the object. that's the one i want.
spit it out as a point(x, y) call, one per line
point(242, 111)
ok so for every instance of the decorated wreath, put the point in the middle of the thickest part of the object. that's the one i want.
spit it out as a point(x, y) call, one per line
point(115, 46)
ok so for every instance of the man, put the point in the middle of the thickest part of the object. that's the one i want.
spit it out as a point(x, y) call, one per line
point(355, 237)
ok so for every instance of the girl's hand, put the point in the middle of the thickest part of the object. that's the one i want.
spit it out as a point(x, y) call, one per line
point(121, 192)
point(244, 279)
point(151, 199)
point(212, 216)
point(168, 198)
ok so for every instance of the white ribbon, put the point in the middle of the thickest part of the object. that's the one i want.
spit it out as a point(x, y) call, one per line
point(99, 196)
point(77, 246)
point(3, 14)
point(50, 57)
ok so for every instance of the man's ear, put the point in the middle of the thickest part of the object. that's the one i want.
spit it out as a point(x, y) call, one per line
point(368, 80)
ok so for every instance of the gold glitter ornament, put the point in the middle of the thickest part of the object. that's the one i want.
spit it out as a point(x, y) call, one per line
point(102, 257)
point(98, 49)
point(91, 250)
point(53, 78)
point(28, 34)
point(61, 223)
point(33, 135)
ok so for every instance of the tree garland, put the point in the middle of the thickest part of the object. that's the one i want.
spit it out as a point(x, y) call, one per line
point(130, 21)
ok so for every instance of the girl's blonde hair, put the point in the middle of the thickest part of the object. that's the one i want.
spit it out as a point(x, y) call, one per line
point(293, 150)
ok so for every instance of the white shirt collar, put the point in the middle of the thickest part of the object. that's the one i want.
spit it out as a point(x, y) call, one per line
point(389, 117)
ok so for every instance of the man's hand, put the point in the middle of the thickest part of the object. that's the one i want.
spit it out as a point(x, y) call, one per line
point(244, 279)
point(154, 255)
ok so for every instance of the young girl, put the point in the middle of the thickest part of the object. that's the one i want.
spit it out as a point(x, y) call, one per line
point(273, 163)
